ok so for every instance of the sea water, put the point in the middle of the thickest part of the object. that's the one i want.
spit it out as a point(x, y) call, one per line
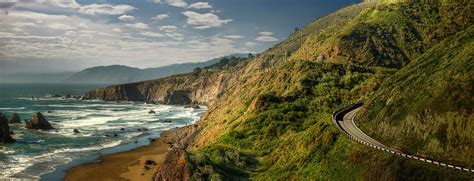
point(105, 127)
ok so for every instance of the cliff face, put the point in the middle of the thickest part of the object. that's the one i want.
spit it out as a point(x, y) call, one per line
point(203, 86)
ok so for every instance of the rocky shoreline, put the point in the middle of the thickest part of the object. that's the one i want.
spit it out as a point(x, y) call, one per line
point(138, 164)
point(37, 122)
point(174, 165)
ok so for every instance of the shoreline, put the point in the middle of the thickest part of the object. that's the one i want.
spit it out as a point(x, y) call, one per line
point(137, 164)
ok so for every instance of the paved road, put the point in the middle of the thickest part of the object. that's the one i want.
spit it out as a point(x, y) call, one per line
point(344, 120)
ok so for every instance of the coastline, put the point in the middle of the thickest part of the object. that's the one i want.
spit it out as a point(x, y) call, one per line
point(128, 165)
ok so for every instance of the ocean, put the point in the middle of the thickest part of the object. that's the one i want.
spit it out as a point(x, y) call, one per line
point(105, 127)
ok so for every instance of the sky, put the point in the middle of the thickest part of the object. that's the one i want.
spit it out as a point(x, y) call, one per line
point(70, 35)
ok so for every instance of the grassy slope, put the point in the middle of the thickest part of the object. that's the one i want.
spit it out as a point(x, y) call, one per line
point(274, 123)
point(427, 107)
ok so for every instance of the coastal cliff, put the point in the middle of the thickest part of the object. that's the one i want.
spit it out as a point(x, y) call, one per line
point(203, 86)
point(269, 117)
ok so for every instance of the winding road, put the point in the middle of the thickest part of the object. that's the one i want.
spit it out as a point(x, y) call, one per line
point(344, 121)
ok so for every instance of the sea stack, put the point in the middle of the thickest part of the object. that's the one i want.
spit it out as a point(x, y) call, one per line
point(15, 118)
point(38, 122)
point(5, 136)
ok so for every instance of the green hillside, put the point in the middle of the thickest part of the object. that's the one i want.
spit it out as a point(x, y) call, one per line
point(427, 107)
point(275, 124)
point(270, 117)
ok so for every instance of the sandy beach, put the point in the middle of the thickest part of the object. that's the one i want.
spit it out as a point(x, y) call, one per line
point(137, 164)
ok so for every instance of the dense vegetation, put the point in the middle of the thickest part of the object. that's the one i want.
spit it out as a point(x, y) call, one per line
point(427, 107)
point(275, 121)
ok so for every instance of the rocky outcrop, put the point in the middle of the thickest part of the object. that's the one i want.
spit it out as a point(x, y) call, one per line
point(179, 97)
point(175, 165)
point(5, 136)
point(15, 118)
point(38, 122)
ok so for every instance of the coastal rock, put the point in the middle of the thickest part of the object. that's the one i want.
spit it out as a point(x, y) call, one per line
point(15, 118)
point(5, 136)
point(38, 122)
point(175, 166)
point(150, 162)
point(194, 106)
point(76, 131)
point(178, 97)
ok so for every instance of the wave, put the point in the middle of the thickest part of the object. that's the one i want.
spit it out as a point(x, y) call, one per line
point(11, 108)
point(92, 118)
point(18, 163)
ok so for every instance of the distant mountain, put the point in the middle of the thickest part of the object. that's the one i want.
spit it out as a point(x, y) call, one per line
point(117, 74)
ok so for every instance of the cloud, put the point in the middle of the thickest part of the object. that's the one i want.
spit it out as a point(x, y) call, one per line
point(6, 34)
point(59, 26)
point(266, 33)
point(138, 25)
point(107, 9)
point(153, 34)
point(266, 36)
point(126, 18)
point(221, 41)
point(35, 16)
point(176, 36)
point(82, 25)
point(204, 21)
point(61, 3)
point(233, 36)
point(176, 3)
point(200, 5)
point(160, 17)
point(250, 44)
point(168, 28)
point(22, 24)
point(60, 34)
point(6, 5)
point(266, 39)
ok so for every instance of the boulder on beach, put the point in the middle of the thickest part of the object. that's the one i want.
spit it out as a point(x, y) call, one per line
point(15, 118)
point(194, 106)
point(150, 162)
point(38, 122)
point(5, 136)
point(151, 112)
point(166, 121)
